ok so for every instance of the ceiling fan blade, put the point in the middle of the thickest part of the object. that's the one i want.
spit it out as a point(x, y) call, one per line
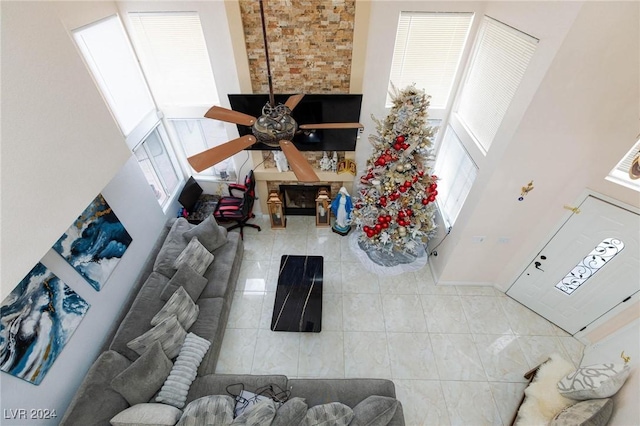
point(293, 101)
point(212, 156)
point(330, 126)
point(300, 166)
point(230, 116)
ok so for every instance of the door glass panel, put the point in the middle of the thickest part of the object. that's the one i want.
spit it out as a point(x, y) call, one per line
point(601, 255)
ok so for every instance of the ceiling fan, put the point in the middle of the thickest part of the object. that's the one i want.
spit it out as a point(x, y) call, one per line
point(275, 128)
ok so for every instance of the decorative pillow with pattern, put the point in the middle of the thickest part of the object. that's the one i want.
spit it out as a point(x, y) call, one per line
point(375, 410)
point(210, 410)
point(594, 381)
point(209, 233)
point(196, 256)
point(147, 414)
point(188, 278)
point(593, 412)
point(182, 306)
point(331, 414)
point(175, 389)
point(291, 412)
point(261, 414)
point(169, 333)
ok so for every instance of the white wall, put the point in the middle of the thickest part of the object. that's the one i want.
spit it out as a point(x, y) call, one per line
point(60, 148)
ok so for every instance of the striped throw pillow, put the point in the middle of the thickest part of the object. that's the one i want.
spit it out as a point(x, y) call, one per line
point(194, 255)
point(182, 306)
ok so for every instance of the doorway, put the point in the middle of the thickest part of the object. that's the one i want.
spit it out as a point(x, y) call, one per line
point(589, 266)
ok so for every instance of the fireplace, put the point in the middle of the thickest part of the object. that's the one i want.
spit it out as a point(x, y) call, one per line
point(301, 199)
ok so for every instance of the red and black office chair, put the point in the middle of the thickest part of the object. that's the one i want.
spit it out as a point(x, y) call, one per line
point(238, 207)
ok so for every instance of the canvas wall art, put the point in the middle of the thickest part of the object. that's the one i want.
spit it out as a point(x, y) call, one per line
point(36, 320)
point(95, 243)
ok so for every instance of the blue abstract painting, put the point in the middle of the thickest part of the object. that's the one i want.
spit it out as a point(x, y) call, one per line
point(95, 242)
point(36, 320)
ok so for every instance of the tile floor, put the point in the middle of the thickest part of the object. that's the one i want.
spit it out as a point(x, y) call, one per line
point(455, 354)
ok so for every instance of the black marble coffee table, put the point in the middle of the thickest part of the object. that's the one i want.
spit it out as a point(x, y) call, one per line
point(298, 304)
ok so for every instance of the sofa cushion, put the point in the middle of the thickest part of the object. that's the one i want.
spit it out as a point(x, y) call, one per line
point(348, 391)
point(147, 414)
point(137, 321)
point(176, 387)
point(210, 234)
point(375, 410)
point(182, 306)
point(210, 410)
point(95, 402)
point(187, 278)
point(173, 245)
point(331, 414)
point(169, 333)
point(195, 255)
point(226, 266)
point(291, 412)
point(142, 379)
point(594, 381)
point(210, 326)
point(594, 412)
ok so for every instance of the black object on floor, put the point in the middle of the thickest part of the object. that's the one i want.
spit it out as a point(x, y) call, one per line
point(298, 305)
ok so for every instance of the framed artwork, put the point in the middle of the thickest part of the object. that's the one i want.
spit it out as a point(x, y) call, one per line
point(36, 320)
point(94, 243)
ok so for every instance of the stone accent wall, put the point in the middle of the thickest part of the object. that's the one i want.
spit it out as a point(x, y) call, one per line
point(310, 44)
point(313, 157)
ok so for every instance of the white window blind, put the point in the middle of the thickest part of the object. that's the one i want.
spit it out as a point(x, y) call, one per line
point(501, 57)
point(174, 55)
point(620, 173)
point(427, 52)
point(456, 173)
point(108, 54)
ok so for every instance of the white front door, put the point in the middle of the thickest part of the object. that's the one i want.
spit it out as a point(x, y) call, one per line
point(589, 266)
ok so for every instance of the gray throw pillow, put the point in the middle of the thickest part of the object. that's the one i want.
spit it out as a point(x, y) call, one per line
point(142, 379)
point(260, 414)
point(374, 410)
point(291, 412)
point(210, 410)
point(169, 333)
point(594, 381)
point(196, 256)
point(210, 234)
point(173, 245)
point(331, 414)
point(147, 414)
point(594, 412)
point(175, 389)
point(182, 306)
point(188, 278)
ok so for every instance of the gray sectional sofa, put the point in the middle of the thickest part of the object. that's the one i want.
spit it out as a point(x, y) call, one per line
point(96, 401)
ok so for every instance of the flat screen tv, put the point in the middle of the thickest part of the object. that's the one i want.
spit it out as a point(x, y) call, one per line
point(321, 108)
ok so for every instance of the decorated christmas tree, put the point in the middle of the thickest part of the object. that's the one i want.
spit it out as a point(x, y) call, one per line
point(394, 206)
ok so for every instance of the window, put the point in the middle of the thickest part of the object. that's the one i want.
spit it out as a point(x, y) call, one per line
point(600, 256)
point(174, 55)
point(157, 166)
point(501, 57)
point(620, 173)
point(108, 54)
point(197, 135)
point(456, 173)
point(427, 52)
point(110, 58)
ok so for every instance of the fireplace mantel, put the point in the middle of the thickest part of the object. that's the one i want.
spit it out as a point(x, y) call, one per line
point(264, 175)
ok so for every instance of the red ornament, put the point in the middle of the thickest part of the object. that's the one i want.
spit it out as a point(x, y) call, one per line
point(387, 157)
point(401, 214)
point(421, 173)
point(385, 225)
point(400, 138)
point(380, 219)
point(415, 178)
point(434, 185)
point(405, 146)
point(397, 146)
point(431, 197)
point(402, 189)
point(407, 183)
point(410, 212)
point(434, 193)
point(425, 201)
point(382, 161)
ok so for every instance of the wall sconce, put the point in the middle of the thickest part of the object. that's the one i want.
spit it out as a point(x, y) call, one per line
point(323, 212)
point(276, 211)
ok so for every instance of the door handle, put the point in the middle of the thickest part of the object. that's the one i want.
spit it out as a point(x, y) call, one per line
point(538, 265)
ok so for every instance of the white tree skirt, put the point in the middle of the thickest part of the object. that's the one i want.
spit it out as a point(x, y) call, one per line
point(378, 269)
